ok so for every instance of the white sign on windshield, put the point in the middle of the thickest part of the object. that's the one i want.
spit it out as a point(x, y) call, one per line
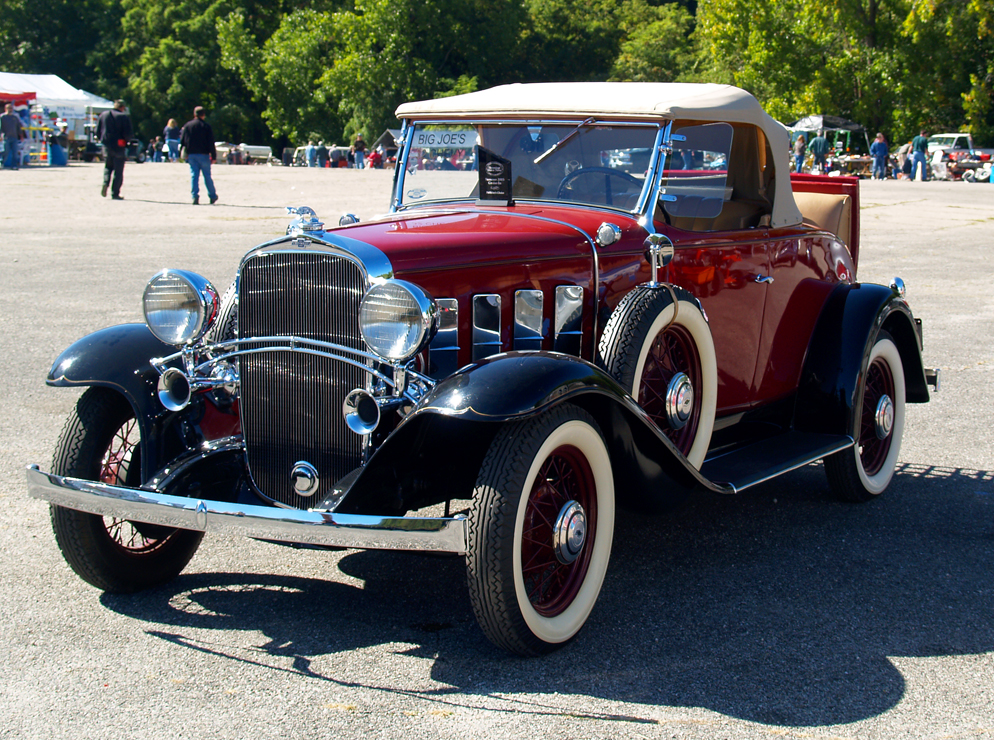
point(445, 138)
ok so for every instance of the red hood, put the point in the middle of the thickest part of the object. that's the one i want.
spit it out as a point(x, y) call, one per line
point(424, 241)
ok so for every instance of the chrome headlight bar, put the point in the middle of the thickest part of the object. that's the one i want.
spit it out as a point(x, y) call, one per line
point(218, 371)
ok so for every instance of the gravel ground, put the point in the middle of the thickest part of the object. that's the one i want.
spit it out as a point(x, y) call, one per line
point(775, 613)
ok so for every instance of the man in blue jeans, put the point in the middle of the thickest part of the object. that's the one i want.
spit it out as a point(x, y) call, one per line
point(197, 140)
point(919, 156)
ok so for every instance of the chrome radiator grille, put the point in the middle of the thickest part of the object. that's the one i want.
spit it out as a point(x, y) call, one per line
point(291, 403)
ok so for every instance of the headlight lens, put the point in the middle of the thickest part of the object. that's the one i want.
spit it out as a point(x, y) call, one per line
point(397, 319)
point(179, 306)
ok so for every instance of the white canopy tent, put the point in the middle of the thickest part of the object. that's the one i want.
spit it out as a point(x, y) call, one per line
point(53, 95)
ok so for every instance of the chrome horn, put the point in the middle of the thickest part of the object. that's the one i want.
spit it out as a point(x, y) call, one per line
point(174, 389)
point(361, 412)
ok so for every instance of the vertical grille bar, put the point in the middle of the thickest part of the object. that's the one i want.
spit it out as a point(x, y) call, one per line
point(291, 403)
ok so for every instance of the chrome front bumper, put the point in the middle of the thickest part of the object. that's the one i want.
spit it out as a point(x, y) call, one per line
point(438, 534)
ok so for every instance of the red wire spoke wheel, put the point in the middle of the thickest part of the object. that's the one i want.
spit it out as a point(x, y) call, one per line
point(563, 495)
point(101, 441)
point(540, 530)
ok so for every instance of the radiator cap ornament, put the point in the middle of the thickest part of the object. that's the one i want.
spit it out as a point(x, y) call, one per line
point(304, 477)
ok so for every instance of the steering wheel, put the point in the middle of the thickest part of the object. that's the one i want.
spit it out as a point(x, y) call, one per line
point(567, 182)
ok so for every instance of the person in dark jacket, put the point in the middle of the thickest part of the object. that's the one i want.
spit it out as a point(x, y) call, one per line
point(114, 132)
point(197, 140)
point(819, 148)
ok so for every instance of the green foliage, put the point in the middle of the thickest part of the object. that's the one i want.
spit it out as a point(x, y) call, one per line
point(284, 72)
point(172, 60)
point(570, 39)
point(301, 69)
point(657, 46)
point(448, 88)
point(75, 41)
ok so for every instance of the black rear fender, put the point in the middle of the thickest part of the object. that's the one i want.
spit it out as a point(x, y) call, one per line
point(845, 333)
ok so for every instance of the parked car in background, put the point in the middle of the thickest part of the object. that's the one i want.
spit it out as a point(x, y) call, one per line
point(242, 153)
point(135, 151)
point(519, 347)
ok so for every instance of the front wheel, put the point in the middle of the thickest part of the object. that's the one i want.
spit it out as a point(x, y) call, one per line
point(863, 471)
point(101, 442)
point(540, 530)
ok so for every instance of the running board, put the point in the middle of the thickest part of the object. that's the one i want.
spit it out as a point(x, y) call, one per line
point(760, 461)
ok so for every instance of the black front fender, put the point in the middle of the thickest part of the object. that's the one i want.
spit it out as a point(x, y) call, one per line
point(436, 452)
point(118, 358)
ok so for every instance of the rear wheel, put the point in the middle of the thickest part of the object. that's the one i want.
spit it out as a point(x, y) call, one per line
point(541, 527)
point(865, 470)
point(101, 442)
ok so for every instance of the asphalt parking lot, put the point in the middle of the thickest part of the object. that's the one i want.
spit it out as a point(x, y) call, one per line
point(776, 613)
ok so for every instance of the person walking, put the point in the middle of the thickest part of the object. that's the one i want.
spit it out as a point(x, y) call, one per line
point(114, 132)
point(800, 149)
point(919, 152)
point(819, 150)
point(171, 135)
point(359, 147)
point(879, 151)
point(13, 131)
point(197, 140)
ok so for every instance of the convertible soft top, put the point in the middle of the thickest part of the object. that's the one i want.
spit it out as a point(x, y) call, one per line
point(651, 100)
point(648, 101)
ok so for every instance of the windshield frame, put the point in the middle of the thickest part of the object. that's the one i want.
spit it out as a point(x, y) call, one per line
point(650, 186)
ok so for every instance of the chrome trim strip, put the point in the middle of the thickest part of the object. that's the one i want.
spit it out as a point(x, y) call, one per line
point(646, 203)
point(434, 534)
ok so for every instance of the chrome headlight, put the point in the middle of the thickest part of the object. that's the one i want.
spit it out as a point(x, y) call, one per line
point(397, 319)
point(179, 306)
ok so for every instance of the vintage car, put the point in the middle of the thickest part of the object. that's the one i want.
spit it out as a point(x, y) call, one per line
point(527, 340)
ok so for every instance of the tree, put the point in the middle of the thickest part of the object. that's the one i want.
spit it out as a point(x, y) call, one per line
point(398, 50)
point(958, 68)
point(72, 40)
point(569, 40)
point(657, 45)
point(284, 72)
point(172, 60)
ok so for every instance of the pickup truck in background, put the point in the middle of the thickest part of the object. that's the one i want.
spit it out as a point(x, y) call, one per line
point(954, 143)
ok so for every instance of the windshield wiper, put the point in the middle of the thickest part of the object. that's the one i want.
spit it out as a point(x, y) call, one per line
point(548, 152)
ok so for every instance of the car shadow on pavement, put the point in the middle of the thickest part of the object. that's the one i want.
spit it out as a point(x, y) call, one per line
point(778, 605)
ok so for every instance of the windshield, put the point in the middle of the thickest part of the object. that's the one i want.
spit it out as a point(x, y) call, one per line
point(595, 163)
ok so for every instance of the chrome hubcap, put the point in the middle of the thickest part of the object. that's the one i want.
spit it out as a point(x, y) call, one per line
point(679, 401)
point(884, 417)
point(305, 479)
point(570, 532)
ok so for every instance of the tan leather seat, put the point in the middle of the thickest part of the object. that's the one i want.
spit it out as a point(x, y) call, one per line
point(829, 211)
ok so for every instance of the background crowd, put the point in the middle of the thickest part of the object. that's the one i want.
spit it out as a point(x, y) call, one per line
point(286, 72)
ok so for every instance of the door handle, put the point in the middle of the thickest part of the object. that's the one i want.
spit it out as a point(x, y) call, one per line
point(764, 279)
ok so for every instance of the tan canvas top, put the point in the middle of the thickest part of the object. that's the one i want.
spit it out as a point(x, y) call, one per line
point(648, 101)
